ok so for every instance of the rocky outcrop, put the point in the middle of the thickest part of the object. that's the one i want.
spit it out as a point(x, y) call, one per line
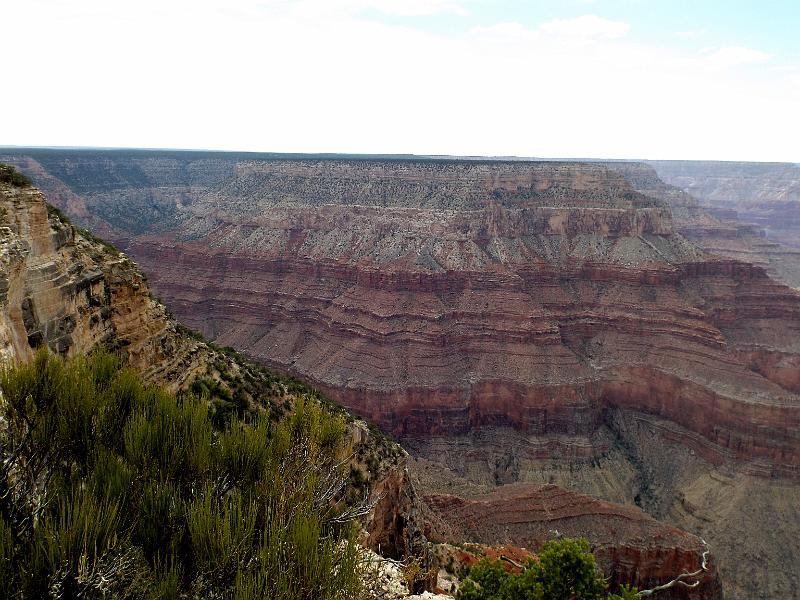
point(629, 545)
point(715, 225)
point(553, 301)
point(63, 288)
point(74, 294)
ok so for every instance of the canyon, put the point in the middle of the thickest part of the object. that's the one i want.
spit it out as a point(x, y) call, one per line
point(750, 210)
point(767, 194)
point(520, 327)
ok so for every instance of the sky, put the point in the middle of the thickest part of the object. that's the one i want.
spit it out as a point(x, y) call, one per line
point(658, 79)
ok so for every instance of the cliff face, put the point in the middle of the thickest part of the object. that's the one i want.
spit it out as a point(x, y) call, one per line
point(73, 294)
point(765, 195)
point(63, 288)
point(566, 293)
point(626, 542)
point(514, 322)
point(716, 223)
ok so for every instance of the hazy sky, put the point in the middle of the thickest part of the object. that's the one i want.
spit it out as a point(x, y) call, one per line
point(574, 78)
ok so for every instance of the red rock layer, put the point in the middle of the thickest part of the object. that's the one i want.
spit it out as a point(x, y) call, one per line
point(627, 543)
point(427, 313)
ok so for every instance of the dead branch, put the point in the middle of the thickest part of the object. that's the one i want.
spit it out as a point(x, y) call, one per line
point(681, 579)
point(511, 561)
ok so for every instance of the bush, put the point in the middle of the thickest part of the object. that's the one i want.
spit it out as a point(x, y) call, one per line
point(109, 488)
point(9, 174)
point(565, 569)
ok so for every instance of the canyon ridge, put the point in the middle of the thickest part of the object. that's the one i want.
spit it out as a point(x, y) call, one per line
point(537, 334)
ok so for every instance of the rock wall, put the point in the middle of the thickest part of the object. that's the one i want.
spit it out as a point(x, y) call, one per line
point(454, 299)
point(444, 320)
point(73, 294)
point(766, 194)
point(627, 544)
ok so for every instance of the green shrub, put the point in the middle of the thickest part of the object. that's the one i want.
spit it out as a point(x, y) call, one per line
point(9, 174)
point(109, 488)
point(565, 569)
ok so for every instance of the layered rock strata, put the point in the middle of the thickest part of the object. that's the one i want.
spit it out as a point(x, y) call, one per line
point(564, 293)
point(629, 545)
point(64, 289)
point(554, 301)
point(714, 224)
point(74, 294)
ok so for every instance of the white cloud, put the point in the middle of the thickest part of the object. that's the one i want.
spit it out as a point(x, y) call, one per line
point(586, 26)
point(417, 7)
point(734, 56)
point(509, 30)
point(250, 75)
point(580, 29)
point(690, 34)
point(403, 8)
point(785, 68)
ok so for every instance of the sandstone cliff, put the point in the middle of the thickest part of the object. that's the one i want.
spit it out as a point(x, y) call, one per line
point(717, 226)
point(515, 323)
point(64, 288)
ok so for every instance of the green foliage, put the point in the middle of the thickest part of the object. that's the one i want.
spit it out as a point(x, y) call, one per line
point(625, 593)
point(9, 174)
point(109, 488)
point(565, 570)
point(55, 212)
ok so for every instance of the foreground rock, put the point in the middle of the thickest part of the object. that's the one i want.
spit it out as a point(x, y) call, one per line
point(63, 288)
point(628, 545)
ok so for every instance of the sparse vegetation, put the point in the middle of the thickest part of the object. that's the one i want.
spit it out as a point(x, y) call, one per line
point(55, 212)
point(108, 247)
point(564, 569)
point(9, 174)
point(109, 488)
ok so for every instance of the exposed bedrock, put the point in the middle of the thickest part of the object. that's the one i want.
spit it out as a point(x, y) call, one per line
point(449, 300)
point(704, 344)
point(632, 546)
point(566, 292)
point(716, 215)
point(60, 289)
